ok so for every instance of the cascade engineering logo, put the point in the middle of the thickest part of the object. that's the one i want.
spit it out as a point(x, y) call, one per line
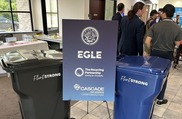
point(77, 87)
point(89, 91)
point(90, 35)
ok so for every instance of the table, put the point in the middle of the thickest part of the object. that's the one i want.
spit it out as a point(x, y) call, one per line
point(21, 45)
point(54, 43)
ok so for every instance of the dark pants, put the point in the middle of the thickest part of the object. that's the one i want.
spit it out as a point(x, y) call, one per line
point(178, 54)
point(166, 55)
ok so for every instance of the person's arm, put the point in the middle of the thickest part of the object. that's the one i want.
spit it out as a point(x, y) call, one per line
point(178, 39)
point(177, 43)
point(147, 46)
point(119, 34)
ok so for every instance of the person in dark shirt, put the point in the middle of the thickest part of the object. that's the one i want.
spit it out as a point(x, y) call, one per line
point(152, 20)
point(161, 40)
point(132, 31)
point(118, 17)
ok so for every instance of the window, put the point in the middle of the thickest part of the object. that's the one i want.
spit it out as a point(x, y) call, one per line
point(52, 14)
point(15, 15)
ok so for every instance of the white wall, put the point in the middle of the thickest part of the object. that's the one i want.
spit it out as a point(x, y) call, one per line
point(79, 9)
point(176, 3)
point(72, 9)
point(109, 9)
point(128, 4)
point(37, 14)
point(154, 1)
point(86, 9)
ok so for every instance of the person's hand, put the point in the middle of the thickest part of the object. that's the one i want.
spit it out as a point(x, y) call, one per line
point(145, 54)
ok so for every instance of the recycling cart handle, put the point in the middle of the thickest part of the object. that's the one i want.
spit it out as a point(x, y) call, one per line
point(5, 66)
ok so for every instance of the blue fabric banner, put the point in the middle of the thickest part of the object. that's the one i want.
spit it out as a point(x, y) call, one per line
point(89, 59)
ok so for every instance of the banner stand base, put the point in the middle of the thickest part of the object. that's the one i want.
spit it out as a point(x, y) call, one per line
point(106, 107)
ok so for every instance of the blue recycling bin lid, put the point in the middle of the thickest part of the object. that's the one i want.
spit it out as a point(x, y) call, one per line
point(151, 64)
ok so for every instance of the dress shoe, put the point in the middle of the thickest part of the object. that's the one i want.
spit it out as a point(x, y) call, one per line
point(160, 102)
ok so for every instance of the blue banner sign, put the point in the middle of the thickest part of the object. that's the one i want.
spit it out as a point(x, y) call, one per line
point(89, 59)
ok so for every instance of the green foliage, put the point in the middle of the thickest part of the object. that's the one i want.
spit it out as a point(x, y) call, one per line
point(13, 3)
point(5, 6)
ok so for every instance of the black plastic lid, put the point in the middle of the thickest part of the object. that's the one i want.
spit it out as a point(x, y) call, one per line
point(30, 59)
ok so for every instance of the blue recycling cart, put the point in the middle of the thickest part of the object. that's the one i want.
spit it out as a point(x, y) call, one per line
point(139, 80)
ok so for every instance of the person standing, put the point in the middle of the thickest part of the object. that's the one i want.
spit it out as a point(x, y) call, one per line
point(118, 16)
point(161, 40)
point(159, 15)
point(132, 31)
point(178, 55)
point(152, 19)
point(177, 19)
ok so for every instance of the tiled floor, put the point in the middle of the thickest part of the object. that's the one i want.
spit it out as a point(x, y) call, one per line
point(9, 108)
point(171, 110)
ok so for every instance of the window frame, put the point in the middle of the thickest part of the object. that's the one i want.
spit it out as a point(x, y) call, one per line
point(11, 12)
point(44, 17)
